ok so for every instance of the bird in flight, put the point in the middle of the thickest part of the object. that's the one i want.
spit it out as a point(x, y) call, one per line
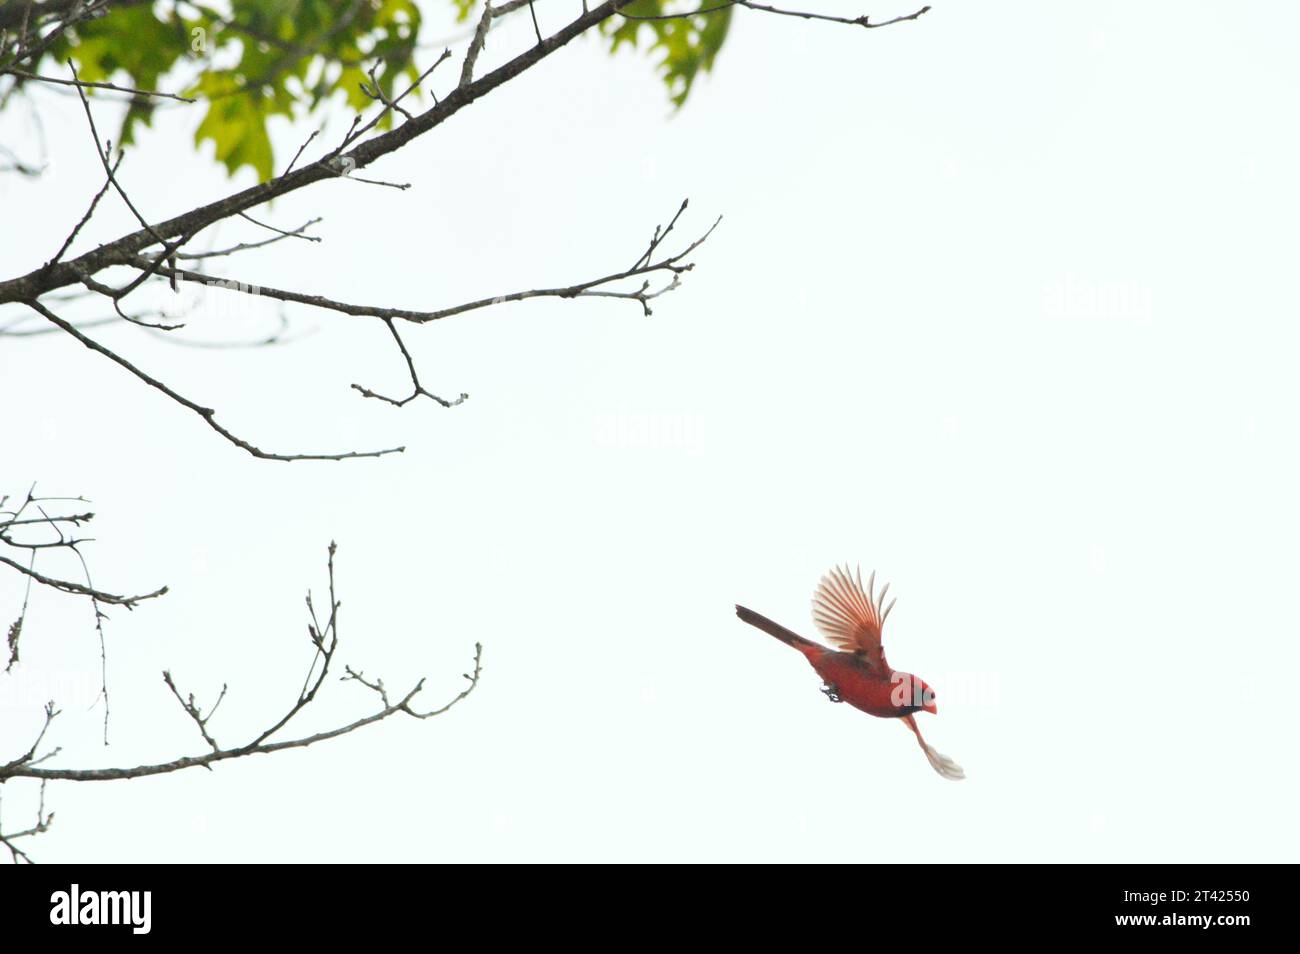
point(855, 671)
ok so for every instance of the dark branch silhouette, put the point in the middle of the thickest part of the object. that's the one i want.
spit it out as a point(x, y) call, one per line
point(323, 634)
point(157, 248)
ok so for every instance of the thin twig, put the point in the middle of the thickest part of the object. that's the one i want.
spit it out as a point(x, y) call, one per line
point(206, 413)
point(325, 642)
point(85, 84)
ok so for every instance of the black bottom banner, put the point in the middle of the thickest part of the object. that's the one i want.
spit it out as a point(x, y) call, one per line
point(872, 906)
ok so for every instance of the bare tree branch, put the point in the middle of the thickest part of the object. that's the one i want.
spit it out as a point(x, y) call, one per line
point(65, 14)
point(13, 521)
point(83, 84)
point(120, 251)
point(14, 526)
point(358, 149)
point(42, 825)
point(206, 413)
point(324, 638)
point(672, 264)
point(862, 21)
point(417, 389)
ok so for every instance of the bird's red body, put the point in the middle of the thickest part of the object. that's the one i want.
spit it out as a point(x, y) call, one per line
point(858, 686)
point(857, 672)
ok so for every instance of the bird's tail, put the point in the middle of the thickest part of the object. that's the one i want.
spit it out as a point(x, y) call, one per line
point(938, 761)
point(806, 646)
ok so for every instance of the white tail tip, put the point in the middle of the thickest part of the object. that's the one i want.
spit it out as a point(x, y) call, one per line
point(943, 765)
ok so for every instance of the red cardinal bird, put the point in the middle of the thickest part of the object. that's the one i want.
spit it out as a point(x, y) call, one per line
point(856, 672)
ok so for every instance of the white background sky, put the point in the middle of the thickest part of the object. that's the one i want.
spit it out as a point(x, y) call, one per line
point(1003, 304)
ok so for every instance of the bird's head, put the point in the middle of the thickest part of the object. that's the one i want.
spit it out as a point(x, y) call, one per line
point(927, 698)
point(911, 693)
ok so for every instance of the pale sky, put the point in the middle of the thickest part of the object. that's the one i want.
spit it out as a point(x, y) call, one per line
point(1002, 305)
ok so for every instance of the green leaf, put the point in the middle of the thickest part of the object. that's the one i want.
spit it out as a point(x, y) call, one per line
point(689, 43)
point(237, 127)
point(101, 52)
point(250, 60)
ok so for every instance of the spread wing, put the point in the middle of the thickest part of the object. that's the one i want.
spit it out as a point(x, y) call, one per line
point(850, 616)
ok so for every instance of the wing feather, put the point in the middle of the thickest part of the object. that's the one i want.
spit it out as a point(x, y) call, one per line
point(850, 615)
